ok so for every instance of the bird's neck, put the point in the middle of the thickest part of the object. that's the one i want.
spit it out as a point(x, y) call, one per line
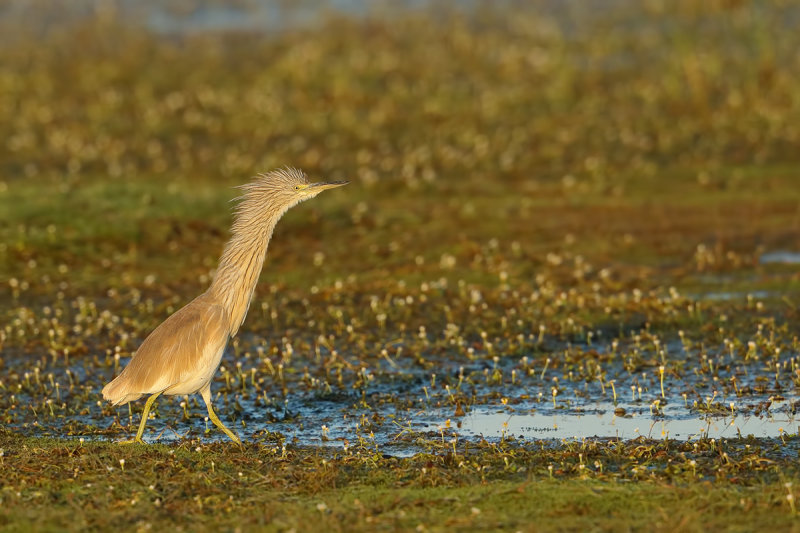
point(240, 267)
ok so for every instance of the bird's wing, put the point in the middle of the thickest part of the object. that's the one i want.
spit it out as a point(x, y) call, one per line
point(172, 351)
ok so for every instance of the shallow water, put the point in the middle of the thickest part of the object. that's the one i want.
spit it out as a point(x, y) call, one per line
point(608, 425)
point(400, 411)
point(780, 257)
point(725, 296)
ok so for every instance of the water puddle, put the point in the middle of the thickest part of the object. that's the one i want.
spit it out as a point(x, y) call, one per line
point(780, 257)
point(727, 296)
point(492, 425)
point(402, 409)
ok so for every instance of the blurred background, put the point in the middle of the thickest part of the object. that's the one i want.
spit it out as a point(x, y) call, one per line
point(655, 135)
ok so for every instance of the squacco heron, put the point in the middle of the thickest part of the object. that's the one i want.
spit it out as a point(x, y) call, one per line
point(182, 354)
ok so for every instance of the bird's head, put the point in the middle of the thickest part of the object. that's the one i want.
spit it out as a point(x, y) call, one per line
point(278, 190)
point(304, 189)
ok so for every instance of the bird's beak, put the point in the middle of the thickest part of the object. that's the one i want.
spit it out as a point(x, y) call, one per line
point(319, 187)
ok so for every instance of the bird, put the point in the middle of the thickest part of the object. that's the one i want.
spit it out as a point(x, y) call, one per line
point(182, 354)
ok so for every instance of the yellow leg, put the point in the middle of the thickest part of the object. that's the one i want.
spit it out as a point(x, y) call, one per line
point(143, 423)
point(206, 394)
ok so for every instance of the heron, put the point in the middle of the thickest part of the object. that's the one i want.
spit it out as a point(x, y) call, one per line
point(183, 353)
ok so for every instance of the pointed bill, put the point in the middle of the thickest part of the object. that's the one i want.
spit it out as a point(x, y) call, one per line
point(327, 185)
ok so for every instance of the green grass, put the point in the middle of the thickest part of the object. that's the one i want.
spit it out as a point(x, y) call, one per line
point(131, 223)
point(54, 484)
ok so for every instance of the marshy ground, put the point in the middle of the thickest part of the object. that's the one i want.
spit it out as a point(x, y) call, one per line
point(561, 292)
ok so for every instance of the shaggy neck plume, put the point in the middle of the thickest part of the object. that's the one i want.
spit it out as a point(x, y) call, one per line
point(243, 257)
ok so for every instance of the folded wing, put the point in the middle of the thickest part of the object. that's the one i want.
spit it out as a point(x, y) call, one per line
point(173, 352)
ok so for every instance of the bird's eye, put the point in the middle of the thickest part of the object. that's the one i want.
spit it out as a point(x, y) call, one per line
point(297, 187)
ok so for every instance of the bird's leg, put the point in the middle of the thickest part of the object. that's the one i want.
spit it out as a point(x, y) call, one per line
point(145, 414)
point(205, 392)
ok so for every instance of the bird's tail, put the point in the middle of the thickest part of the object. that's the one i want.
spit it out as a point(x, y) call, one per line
point(117, 393)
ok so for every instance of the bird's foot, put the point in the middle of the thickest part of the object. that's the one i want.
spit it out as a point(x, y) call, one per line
point(235, 438)
point(132, 441)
